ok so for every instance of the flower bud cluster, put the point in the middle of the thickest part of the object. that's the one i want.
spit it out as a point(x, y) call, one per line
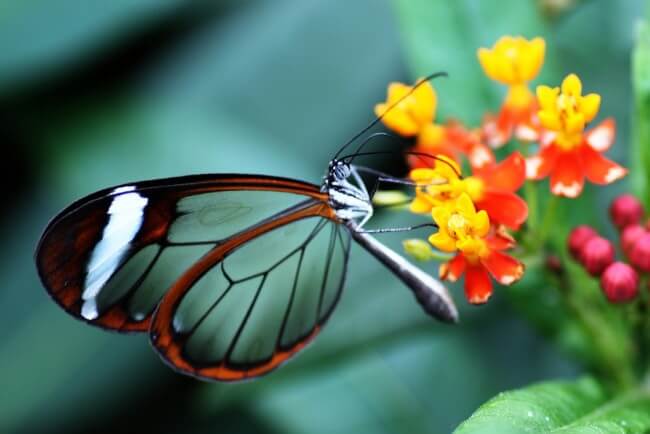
point(619, 280)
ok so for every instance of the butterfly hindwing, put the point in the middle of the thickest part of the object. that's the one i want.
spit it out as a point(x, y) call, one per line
point(255, 302)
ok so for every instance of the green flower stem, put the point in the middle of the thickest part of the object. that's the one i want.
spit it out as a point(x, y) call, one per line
point(615, 358)
point(548, 220)
point(530, 191)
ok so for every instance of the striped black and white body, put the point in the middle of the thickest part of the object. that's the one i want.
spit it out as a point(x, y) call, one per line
point(353, 206)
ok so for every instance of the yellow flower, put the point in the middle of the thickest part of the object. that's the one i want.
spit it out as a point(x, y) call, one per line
point(413, 113)
point(461, 228)
point(513, 60)
point(442, 185)
point(566, 111)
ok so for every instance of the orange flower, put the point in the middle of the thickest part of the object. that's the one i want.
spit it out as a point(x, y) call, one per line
point(569, 154)
point(409, 116)
point(414, 116)
point(463, 230)
point(513, 61)
point(451, 140)
point(492, 188)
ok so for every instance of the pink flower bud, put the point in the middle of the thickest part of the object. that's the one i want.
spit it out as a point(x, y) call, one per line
point(630, 235)
point(619, 282)
point(596, 254)
point(640, 253)
point(578, 237)
point(625, 210)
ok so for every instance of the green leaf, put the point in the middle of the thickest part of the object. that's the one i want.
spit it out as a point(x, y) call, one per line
point(641, 117)
point(581, 406)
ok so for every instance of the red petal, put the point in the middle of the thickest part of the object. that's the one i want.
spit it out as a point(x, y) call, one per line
point(504, 268)
point(568, 175)
point(497, 130)
point(602, 136)
point(509, 175)
point(599, 169)
point(453, 269)
point(499, 241)
point(478, 287)
point(540, 165)
point(504, 207)
point(480, 155)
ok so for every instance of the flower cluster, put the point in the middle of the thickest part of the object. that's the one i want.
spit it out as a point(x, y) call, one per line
point(475, 208)
point(618, 279)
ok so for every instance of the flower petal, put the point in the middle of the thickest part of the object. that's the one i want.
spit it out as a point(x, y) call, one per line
point(504, 268)
point(589, 106)
point(571, 85)
point(601, 137)
point(508, 175)
point(567, 178)
point(453, 269)
point(500, 241)
point(442, 241)
point(397, 120)
point(540, 165)
point(504, 207)
point(420, 205)
point(547, 97)
point(480, 156)
point(424, 109)
point(599, 169)
point(495, 132)
point(478, 287)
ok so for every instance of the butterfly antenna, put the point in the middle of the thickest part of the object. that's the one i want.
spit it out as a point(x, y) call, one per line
point(420, 155)
point(392, 106)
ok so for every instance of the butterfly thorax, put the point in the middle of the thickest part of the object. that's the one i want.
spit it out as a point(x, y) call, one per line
point(347, 192)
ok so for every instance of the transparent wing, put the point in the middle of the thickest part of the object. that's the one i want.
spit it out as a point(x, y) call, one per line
point(254, 303)
point(109, 258)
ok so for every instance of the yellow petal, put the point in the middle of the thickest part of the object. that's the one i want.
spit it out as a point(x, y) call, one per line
point(549, 120)
point(575, 123)
point(440, 215)
point(424, 107)
point(572, 86)
point(420, 205)
point(481, 224)
point(533, 59)
point(423, 175)
point(589, 106)
point(487, 60)
point(506, 71)
point(431, 135)
point(443, 242)
point(397, 91)
point(400, 122)
point(547, 97)
point(465, 206)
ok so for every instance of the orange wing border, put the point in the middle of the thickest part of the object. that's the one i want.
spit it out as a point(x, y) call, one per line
point(61, 259)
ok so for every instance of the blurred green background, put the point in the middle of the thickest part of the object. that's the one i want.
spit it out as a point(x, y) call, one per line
point(100, 93)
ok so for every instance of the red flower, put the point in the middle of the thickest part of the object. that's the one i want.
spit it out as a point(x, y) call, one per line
point(566, 153)
point(500, 266)
point(497, 196)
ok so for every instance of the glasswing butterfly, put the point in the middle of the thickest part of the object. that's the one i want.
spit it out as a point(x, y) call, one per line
point(230, 274)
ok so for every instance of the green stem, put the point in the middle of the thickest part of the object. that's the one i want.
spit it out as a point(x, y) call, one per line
point(530, 191)
point(548, 220)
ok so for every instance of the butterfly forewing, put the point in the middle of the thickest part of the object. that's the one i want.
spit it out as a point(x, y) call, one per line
point(256, 303)
point(109, 258)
